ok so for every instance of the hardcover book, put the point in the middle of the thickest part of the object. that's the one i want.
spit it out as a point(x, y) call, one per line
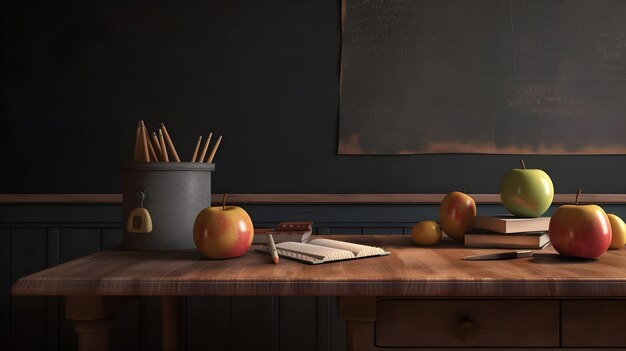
point(512, 224)
point(528, 240)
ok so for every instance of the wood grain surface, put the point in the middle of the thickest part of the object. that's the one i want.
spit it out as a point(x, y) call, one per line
point(599, 323)
point(408, 271)
point(304, 198)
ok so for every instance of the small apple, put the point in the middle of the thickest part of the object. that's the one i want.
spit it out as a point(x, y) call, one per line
point(580, 230)
point(618, 232)
point(223, 231)
point(457, 214)
point(526, 192)
point(426, 233)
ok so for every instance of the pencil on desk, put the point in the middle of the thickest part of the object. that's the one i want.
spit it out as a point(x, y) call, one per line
point(169, 142)
point(157, 145)
point(500, 256)
point(273, 251)
point(195, 151)
point(217, 144)
point(205, 147)
point(164, 155)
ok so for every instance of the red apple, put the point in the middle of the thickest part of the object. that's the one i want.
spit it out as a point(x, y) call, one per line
point(580, 230)
point(457, 214)
point(223, 232)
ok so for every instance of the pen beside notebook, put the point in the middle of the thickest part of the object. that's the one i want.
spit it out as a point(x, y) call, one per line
point(499, 256)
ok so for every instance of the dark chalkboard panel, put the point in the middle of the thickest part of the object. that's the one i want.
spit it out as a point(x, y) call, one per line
point(485, 76)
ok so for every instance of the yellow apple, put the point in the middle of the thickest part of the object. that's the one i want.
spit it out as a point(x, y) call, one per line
point(618, 227)
point(426, 233)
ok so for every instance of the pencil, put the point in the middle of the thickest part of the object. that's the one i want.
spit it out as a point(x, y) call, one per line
point(137, 142)
point(205, 147)
point(169, 142)
point(157, 145)
point(499, 256)
point(153, 155)
point(144, 143)
point(163, 148)
point(273, 251)
point(195, 151)
point(217, 144)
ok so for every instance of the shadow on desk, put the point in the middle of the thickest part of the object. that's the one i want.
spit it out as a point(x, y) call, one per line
point(555, 258)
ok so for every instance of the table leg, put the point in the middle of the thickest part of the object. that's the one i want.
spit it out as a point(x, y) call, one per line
point(93, 318)
point(360, 315)
point(171, 315)
point(94, 335)
point(360, 336)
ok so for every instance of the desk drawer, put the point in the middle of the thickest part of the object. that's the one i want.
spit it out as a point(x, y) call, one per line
point(452, 323)
point(599, 323)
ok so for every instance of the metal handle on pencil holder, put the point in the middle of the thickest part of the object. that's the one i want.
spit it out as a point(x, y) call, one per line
point(141, 196)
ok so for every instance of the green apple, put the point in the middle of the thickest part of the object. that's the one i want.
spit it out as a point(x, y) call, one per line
point(426, 233)
point(526, 192)
point(618, 228)
point(457, 214)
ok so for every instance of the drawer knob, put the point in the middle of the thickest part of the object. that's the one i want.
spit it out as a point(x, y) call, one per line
point(468, 327)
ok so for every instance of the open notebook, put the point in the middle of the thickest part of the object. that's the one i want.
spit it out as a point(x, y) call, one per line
point(325, 250)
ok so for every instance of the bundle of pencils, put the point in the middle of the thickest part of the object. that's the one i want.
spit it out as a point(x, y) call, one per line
point(158, 146)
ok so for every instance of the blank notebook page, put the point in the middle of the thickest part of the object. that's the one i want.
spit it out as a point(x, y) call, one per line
point(356, 249)
point(320, 252)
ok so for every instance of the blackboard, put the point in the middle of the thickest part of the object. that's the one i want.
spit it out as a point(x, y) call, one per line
point(483, 76)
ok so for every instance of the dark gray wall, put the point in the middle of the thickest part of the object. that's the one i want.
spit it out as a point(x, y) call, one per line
point(77, 76)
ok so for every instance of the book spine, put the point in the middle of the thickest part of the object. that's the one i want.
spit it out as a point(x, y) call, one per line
point(294, 226)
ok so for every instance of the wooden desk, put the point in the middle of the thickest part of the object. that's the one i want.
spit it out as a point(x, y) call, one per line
point(416, 297)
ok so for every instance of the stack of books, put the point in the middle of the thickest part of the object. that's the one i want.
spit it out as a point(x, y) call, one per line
point(508, 231)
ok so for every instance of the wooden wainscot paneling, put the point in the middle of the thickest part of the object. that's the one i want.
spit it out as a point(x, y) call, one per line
point(303, 198)
point(29, 314)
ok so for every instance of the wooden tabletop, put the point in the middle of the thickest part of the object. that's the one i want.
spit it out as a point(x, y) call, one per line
point(408, 271)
